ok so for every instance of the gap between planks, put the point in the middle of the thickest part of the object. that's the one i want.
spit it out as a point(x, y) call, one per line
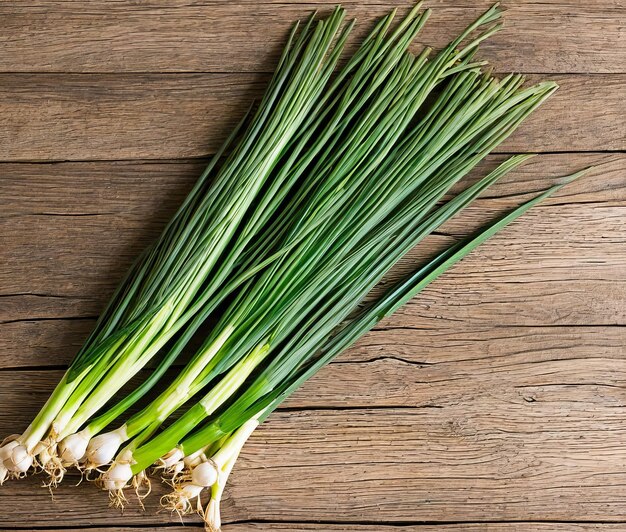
point(291, 526)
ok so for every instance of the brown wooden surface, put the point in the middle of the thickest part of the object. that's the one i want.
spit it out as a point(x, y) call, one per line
point(495, 401)
point(217, 36)
point(57, 117)
point(248, 526)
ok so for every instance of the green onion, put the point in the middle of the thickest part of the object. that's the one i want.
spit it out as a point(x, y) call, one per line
point(181, 280)
point(321, 353)
point(266, 315)
point(308, 205)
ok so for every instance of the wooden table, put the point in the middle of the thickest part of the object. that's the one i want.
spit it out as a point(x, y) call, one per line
point(494, 401)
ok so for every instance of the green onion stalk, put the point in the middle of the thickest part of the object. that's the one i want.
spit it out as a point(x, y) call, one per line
point(206, 466)
point(381, 191)
point(98, 449)
point(340, 190)
point(340, 105)
point(299, 71)
point(198, 260)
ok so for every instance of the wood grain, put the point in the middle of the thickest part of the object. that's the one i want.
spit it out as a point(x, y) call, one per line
point(251, 526)
point(492, 402)
point(73, 228)
point(470, 527)
point(460, 462)
point(56, 117)
point(425, 370)
point(216, 36)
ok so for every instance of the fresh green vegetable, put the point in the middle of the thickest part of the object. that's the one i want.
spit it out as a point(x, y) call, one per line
point(228, 429)
point(197, 262)
point(310, 202)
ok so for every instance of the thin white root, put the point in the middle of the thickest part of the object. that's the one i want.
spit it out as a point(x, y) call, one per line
point(189, 486)
point(53, 467)
point(185, 497)
point(142, 486)
point(177, 469)
point(47, 459)
point(171, 464)
point(170, 474)
point(117, 499)
point(181, 499)
point(114, 480)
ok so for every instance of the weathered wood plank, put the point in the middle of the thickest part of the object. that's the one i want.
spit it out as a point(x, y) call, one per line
point(120, 116)
point(501, 408)
point(299, 527)
point(556, 36)
point(137, 116)
point(488, 414)
point(409, 368)
point(71, 229)
point(517, 366)
point(461, 462)
point(504, 449)
point(461, 527)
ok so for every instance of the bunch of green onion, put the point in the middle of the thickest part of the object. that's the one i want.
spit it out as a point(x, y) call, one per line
point(310, 202)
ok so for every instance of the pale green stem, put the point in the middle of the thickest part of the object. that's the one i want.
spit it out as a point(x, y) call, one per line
point(217, 396)
point(41, 424)
point(225, 460)
point(180, 389)
point(125, 367)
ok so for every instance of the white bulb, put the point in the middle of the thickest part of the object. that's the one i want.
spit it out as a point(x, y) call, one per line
point(117, 476)
point(194, 459)
point(5, 450)
point(102, 448)
point(204, 474)
point(40, 448)
point(3, 473)
point(73, 447)
point(44, 457)
point(19, 461)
